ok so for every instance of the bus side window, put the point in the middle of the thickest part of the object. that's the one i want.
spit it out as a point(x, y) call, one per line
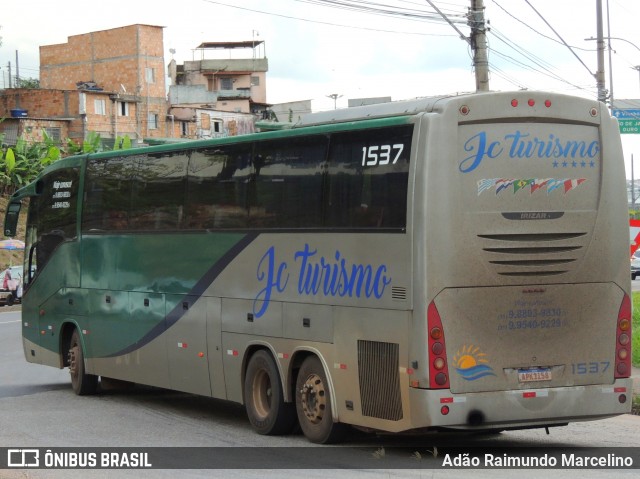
point(158, 194)
point(289, 183)
point(108, 194)
point(368, 178)
point(218, 188)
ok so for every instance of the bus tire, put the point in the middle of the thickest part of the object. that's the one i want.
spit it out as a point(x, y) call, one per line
point(268, 413)
point(81, 382)
point(313, 404)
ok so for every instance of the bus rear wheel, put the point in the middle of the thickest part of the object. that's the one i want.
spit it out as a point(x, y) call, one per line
point(268, 413)
point(313, 404)
point(81, 382)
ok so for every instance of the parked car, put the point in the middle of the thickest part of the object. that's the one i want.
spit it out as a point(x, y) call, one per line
point(635, 265)
point(13, 292)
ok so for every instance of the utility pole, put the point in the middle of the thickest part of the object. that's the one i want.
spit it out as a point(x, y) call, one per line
point(602, 92)
point(610, 60)
point(478, 42)
point(17, 71)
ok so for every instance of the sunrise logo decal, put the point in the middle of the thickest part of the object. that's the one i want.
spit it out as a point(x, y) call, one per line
point(471, 364)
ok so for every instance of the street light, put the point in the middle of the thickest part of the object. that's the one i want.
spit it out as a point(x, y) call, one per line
point(616, 38)
point(334, 97)
point(610, 67)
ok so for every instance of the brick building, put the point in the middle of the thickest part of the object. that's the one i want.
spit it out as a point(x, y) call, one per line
point(111, 82)
point(222, 92)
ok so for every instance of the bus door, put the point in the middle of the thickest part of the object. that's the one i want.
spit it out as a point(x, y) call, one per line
point(51, 242)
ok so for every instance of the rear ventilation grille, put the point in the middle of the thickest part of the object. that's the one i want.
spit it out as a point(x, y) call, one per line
point(379, 376)
point(533, 255)
point(533, 237)
point(398, 293)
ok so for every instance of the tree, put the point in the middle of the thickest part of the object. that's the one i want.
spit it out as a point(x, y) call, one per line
point(32, 83)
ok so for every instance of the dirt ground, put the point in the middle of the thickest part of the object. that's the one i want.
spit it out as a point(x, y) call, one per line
point(7, 309)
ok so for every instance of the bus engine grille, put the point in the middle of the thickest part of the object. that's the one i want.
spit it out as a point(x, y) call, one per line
point(379, 376)
point(530, 255)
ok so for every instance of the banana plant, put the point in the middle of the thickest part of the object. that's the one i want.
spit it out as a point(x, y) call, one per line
point(21, 164)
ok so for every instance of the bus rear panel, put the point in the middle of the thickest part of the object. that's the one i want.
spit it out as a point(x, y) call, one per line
point(528, 305)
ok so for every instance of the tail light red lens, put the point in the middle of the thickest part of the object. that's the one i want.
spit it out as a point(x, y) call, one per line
point(438, 369)
point(623, 333)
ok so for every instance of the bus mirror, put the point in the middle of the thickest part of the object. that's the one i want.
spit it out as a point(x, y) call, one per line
point(11, 219)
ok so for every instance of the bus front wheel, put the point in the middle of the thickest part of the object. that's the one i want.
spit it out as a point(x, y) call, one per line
point(268, 413)
point(313, 404)
point(82, 383)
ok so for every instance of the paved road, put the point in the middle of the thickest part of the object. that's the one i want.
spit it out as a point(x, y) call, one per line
point(38, 409)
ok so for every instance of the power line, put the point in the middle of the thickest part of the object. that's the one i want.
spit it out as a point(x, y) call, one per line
point(374, 8)
point(536, 31)
point(562, 39)
point(326, 23)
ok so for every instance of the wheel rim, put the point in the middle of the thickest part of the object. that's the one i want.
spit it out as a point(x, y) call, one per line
point(314, 399)
point(262, 394)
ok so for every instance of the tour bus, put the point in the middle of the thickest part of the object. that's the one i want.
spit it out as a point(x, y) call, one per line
point(449, 263)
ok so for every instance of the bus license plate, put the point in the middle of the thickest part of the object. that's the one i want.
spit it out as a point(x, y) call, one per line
point(529, 375)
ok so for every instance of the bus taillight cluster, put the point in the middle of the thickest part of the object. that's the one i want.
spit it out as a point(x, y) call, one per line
point(438, 370)
point(623, 339)
point(531, 102)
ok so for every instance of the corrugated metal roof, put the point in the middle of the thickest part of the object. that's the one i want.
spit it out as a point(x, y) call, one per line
point(223, 45)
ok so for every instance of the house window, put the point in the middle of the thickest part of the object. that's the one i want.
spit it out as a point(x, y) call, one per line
point(54, 134)
point(255, 81)
point(153, 121)
point(100, 106)
point(184, 128)
point(150, 75)
point(226, 83)
point(123, 108)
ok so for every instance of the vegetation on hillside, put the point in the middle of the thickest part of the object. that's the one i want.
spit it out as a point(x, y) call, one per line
point(22, 163)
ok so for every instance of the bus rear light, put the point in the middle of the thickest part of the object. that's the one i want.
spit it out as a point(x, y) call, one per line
point(444, 410)
point(442, 379)
point(438, 371)
point(547, 103)
point(436, 333)
point(623, 333)
point(593, 112)
point(531, 102)
point(514, 103)
point(464, 110)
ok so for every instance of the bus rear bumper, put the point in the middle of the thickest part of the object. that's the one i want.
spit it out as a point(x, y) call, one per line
point(519, 408)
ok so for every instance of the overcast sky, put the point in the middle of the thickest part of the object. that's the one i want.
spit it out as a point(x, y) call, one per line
point(315, 50)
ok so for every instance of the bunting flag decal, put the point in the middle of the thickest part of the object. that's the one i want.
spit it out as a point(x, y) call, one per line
point(532, 184)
